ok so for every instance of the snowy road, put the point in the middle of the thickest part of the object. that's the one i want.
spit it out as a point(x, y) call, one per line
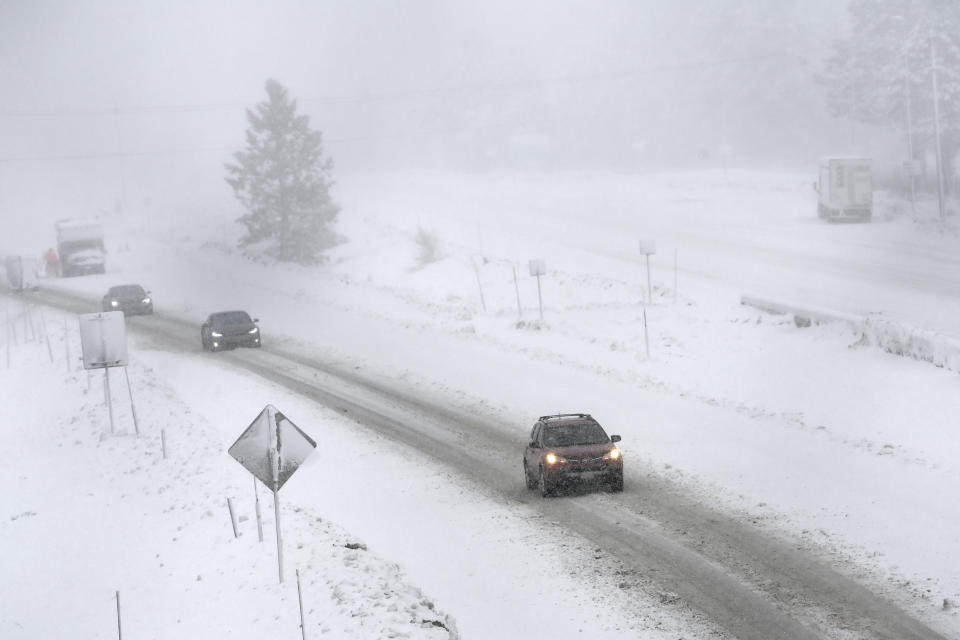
point(741, 579)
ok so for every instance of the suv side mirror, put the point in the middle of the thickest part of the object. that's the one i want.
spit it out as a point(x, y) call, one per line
point(534, 445)
point(256, 319)
point(614, 438)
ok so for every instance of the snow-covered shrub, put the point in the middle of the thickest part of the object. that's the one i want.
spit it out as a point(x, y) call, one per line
point(428, 247)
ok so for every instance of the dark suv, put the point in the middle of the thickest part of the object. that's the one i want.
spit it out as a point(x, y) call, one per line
point(571, 446)
point(229, 329)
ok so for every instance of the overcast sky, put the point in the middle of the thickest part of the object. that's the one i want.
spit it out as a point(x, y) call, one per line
point(461, 85)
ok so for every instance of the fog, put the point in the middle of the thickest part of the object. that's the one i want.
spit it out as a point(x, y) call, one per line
point(110, 105)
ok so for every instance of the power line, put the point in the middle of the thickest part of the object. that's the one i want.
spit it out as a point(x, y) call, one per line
point(112, 154)
point(404, 95)
point(186, 150)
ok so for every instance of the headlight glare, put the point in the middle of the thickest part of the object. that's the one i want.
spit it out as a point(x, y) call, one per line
point(114, 303)
point(216, 334)
point(613, 454)
point(146, 301)
point(551, 458)
point(254, 330)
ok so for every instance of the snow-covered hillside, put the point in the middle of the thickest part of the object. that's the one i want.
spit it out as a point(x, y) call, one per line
point(846, 449)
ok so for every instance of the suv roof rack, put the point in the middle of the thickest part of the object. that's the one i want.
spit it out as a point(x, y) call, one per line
point(558, 416)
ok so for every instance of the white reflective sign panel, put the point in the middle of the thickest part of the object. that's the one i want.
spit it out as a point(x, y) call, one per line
point(271, 432)
point(538, 267)
point(648, 247)
point(103, 338)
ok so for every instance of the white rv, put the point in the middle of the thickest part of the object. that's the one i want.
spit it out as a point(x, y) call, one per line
point(845, 189)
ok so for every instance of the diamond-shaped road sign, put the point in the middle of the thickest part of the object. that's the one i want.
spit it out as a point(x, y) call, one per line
point(272, 448)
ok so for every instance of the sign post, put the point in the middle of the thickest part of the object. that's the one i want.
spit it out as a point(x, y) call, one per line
point(272, 448)
point(103, 338)
point(538, 268)
point(648, 248)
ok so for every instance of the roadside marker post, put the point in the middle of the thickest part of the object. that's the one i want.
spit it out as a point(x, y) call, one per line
point(46, 336)
point(119, 627)
point(27, 324)
point(516, 286)
point(272, 448)
point(538, 268)
point(233, 518)
point(133, 408)
point(646, 335)
point(256, 500)
point(6, 333)
point(648, 248)
point(674, 275)
point(66, 343)
point(476, 272)
point(303, 627)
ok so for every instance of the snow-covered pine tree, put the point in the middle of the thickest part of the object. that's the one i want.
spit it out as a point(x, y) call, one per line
point(886, 54)
point(283, 182)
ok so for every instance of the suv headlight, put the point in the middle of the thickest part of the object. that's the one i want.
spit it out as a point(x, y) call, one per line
point(216, 334)
point(613, 454)
point(145, 301)
point(114, 303)
point(254, 330)
point(552, 458)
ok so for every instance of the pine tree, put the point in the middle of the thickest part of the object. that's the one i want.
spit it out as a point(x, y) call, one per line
point(283, 182)
point(886, 57)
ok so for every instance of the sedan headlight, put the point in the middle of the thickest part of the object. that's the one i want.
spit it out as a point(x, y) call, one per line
point(145, 301)
point(551, 458)
point(114, 303)
point(216, 334)
point(613, 454)
point(254, 330)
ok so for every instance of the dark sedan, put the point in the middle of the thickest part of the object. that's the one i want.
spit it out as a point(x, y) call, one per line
point(131, 299)
point(228, 329)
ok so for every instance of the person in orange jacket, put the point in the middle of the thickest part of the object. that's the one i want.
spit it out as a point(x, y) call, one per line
point(52, 262)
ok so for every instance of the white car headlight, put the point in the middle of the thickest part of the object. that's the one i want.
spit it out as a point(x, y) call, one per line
point(114, 303)
point(145, 301)
point(254, 330)
point(613, 454)
point(216, 334)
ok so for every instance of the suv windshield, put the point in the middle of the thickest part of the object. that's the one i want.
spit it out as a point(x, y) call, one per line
point(566, 435)
point(128, 290)
point(231, 317)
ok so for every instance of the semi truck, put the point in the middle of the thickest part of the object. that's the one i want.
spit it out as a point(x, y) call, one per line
point(80, 247)
point(845, 190)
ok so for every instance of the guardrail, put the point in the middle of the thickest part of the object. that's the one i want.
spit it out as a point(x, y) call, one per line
point(891, 336)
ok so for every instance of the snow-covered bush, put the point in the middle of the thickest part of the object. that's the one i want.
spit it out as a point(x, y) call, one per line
point(428, 247)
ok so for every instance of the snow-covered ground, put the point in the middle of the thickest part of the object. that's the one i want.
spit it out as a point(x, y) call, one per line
point(847, 449)
point(97, 509)
point(87, 512)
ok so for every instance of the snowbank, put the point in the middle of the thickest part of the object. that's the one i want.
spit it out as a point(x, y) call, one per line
point(912, 342)
point(891, 336)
